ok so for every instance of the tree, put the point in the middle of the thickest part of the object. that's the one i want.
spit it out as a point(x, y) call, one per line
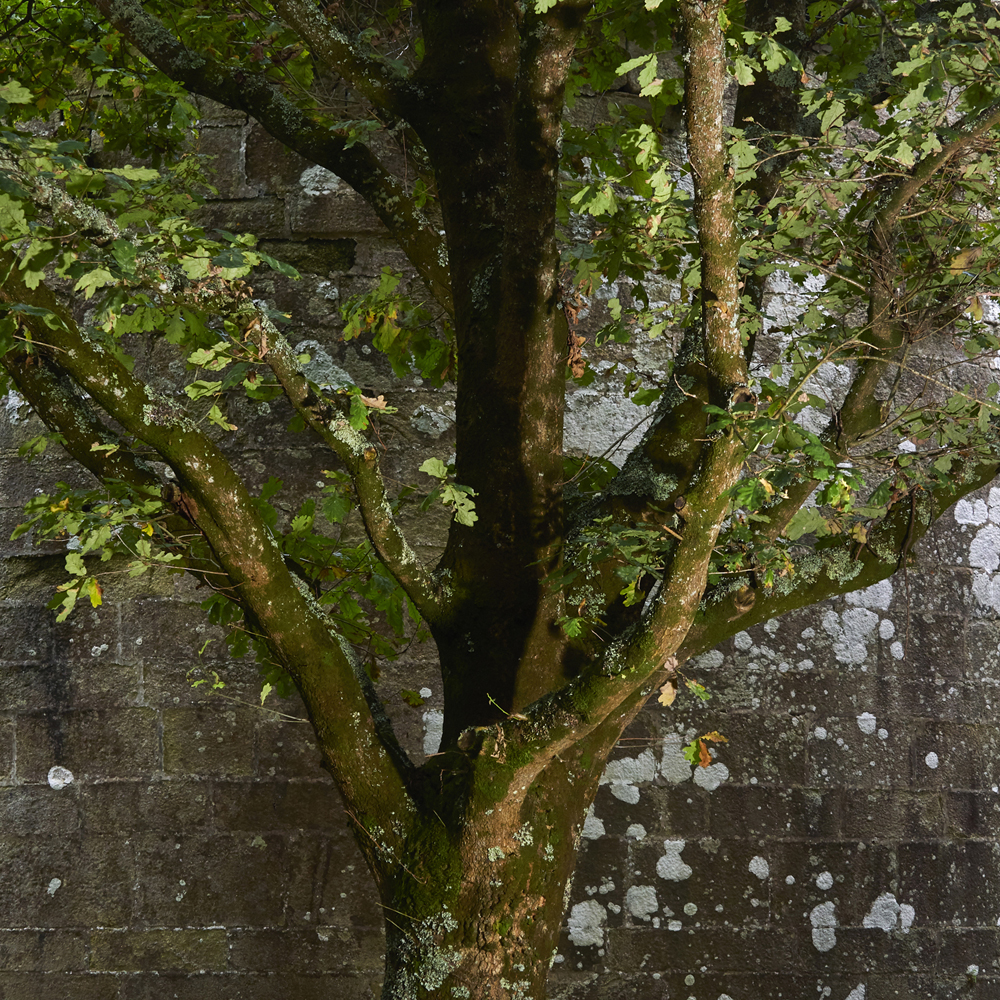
point(859, 173)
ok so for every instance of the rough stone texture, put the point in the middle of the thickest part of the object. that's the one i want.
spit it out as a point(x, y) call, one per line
point(844, 843)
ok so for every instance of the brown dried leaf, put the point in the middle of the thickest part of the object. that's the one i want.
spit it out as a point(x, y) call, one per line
point(704, 757)
point(668, 694)
point(375, 404)
point(577, 363)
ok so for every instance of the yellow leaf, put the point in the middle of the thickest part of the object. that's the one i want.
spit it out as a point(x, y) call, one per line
point(963, 259)
point(715, 737)
point(62, 505)
point(95, 592)
point(768, 488)
point(976, 308)
point(147, 529)
point(668, 694)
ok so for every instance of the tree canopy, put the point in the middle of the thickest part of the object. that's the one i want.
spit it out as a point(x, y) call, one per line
point(803, 195)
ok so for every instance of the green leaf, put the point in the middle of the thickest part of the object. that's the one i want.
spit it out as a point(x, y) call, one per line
point(435, 467)
point(95, 278)
point(230, 257)
point(14, 93)
point(75, 564)
point(215, 416)
point(336, 507)
point(698, 690)
point(743, 70)
point(13, 222)
point(358, 416)
point(201, 388)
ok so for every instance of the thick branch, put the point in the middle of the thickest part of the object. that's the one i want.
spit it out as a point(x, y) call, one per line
point(375, 78)
point(845, 565)
point(326, 673)
point(361, 461)
point(842, 567)
point(861, 411)
point(258, 97)
point(707, 501)
point(705, 78)
point(56, 399)
point(858, 413)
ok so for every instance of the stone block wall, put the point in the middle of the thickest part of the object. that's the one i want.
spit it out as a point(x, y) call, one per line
point(164, 840)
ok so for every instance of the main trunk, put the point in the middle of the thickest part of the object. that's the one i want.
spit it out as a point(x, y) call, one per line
point(492, 135)
point(474, 903)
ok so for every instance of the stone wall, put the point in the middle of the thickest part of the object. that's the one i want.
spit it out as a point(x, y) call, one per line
point(163, 840)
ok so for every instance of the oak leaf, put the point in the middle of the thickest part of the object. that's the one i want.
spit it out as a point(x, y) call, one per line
point(668, 694)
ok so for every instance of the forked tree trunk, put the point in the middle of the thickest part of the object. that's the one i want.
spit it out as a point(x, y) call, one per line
point(475, 905)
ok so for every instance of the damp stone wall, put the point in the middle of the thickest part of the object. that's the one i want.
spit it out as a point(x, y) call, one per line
point(159, 840)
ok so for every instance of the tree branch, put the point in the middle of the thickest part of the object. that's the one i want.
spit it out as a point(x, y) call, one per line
point(361, 460)
point(57, 401)
point(860, 412)
point(370, 774)
point(705, 79)
point(845, 565)
point(349, 445)
point(375, 78)
point(315, 140)
point(561, 719)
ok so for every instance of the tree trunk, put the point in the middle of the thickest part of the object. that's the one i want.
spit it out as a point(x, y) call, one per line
point(474, 900)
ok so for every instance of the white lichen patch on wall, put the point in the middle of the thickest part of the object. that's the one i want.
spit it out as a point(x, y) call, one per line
point(320, 367)
point(626, 773)
point(878, 596)
point(433, 730)
point(641, 901)
point(984, 548)
point(710, 777)
point(824, 922)
point(670, 866)
point(318, 181)
point(12, 405)
point(593, 828)
point(59, 777)
point(867, 723)
point(851, 632)
point(888, 915)
point(586, 923)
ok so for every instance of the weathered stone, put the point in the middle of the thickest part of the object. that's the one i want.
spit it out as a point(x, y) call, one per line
point(178, 949)
point(211, 880)
point(85, 743)
point(264, 217)
point(190, 733)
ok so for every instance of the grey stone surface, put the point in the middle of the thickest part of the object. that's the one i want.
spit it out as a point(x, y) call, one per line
point(844, 844)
